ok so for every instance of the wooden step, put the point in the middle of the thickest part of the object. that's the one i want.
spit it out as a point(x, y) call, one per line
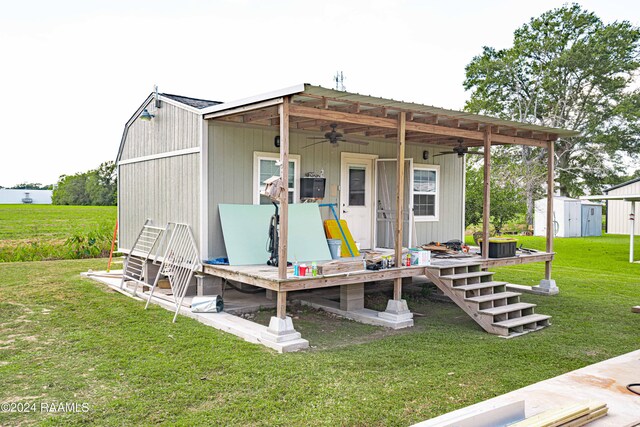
point(519, 321)
point(475, 286)
point(507, 308)
point(467, 275)
point(492, 297)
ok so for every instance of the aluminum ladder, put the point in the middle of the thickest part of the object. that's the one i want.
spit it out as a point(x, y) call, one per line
point(149, 238)
point(181, 260)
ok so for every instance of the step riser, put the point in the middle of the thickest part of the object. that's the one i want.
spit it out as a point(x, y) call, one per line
point(454, 282)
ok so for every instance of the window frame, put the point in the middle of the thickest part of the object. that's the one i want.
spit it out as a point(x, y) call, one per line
point(259, 155)
point(426, 218)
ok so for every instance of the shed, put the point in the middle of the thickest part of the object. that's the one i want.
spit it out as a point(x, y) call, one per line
point(618, 210)
point(13, 197)
point(567, 214)
point(395, 169)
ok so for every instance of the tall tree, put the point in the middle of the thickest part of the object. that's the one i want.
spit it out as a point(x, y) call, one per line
point(566, 69)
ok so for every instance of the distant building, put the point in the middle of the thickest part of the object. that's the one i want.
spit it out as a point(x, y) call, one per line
point(36, 197)
point(618, 210)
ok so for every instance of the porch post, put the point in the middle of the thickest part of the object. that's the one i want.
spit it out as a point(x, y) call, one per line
point(397, 314)
point(632, 218)
point(283, 110)
point(486, 202)
point(548, 285)
point(402, 122)
point(550, 191)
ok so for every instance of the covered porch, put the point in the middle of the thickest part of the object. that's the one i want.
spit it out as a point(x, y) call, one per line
point(307, 108)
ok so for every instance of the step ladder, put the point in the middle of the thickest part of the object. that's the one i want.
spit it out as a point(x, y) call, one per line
point(497, 310)
point(146, 246)
point(181, 260)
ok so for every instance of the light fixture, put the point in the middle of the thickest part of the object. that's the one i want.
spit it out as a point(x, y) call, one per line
point(276, 141)
point(146, 115)
point(425, 155)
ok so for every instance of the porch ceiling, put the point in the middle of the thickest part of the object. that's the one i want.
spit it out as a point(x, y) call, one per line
point(316, 108)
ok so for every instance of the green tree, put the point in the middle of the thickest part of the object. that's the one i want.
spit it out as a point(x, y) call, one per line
point(507, 200)
point(566, 69)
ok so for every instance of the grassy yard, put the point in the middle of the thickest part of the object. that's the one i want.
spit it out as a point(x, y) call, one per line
point(41, 232)
point(66, 339)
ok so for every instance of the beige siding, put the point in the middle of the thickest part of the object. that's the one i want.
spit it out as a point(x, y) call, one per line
point(231, 149)
point(618, 210)
point(164, 190)
point(171, 129)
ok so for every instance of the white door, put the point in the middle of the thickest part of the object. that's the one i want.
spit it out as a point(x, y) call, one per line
point(356, 197)
point(572, 211)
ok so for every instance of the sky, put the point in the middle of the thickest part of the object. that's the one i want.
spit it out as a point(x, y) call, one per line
point(72, 72)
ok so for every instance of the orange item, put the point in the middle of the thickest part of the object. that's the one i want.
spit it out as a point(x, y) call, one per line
point(332, 231)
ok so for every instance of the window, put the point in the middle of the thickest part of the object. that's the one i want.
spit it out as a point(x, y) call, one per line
point(425, 193)
point(264, 167)
point(357, 184)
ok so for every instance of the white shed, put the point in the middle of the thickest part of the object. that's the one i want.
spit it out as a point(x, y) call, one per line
point(618, 210)
point(567, 214)
point(12, 197)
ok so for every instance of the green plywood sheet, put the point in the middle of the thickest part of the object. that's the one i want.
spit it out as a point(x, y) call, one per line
point(245, 229)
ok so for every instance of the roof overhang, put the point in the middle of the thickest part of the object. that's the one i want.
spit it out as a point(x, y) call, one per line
point(314, 108)
point(624, 197)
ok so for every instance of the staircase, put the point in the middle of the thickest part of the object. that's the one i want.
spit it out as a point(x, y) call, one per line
point(488, 302)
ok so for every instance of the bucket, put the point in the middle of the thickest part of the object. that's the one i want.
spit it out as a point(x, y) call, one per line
point(334, 247)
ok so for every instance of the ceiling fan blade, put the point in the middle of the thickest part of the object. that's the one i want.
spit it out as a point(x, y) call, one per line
point(478, 153)
point(311, 145)
point(444, 154)
point(316, 137)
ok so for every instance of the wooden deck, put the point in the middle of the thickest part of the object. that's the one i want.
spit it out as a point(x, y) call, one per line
point(266, 277)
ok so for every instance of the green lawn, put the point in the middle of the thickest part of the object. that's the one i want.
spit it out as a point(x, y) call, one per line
point(41, 232)
point(66, 339)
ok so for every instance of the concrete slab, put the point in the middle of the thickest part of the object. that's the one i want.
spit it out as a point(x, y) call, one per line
point(604, 382)
point(224, 321)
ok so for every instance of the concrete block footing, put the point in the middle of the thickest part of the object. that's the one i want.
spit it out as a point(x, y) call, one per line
point(281, 331)
point(546, 287)
point(398, 314)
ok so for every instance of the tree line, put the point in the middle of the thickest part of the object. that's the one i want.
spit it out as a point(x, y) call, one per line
point(566, 69)
point(95, 187)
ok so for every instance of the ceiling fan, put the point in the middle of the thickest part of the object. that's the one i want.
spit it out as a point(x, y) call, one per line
point(334, 137)
point(460, 150)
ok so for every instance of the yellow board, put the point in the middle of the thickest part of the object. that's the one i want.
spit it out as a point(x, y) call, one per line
point(333, 232)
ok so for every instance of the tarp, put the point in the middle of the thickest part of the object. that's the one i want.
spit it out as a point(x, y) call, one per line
point(245, 229)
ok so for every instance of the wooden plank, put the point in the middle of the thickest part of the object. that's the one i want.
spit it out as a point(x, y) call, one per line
point(241, 277)
point(402, 124)
point(283, 109)
point(281, 304)
point(550, 187)
point(486, 203)
point(346, 279)
point(338, 266)
point(501, 262)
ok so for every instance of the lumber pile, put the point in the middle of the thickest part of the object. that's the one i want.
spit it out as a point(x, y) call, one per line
point(575, 415)
point(340, 266)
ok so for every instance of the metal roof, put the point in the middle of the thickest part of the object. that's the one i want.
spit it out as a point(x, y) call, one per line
point(391, 104)
point(624, 184)
point(192, 102)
